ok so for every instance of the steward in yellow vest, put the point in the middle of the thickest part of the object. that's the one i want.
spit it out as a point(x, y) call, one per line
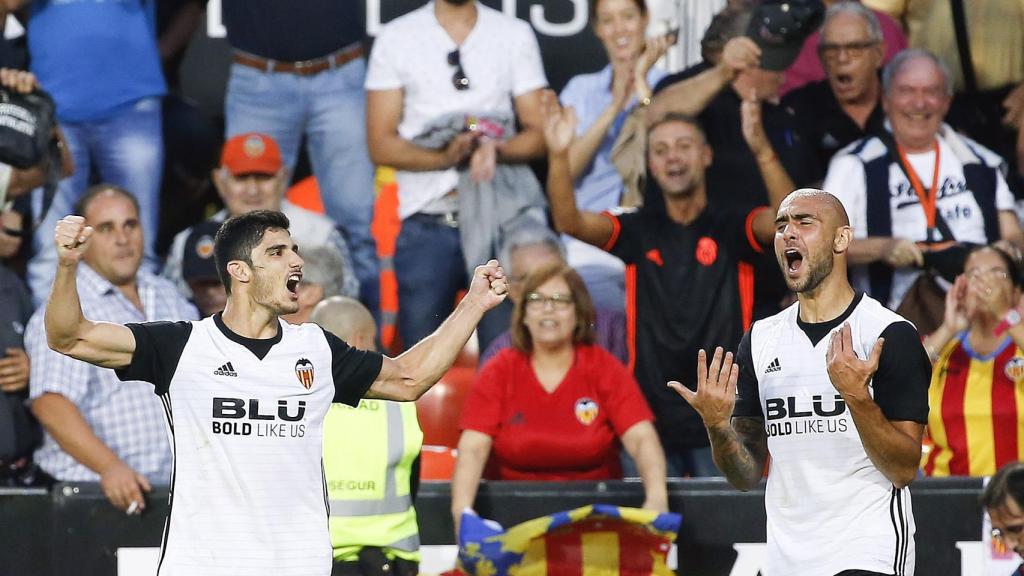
point(369, 456)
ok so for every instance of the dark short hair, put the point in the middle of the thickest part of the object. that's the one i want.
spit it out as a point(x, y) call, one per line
point(1008, 482)
point(584, 333)
point(239, 235)
point(96, 190)
point(641, 4)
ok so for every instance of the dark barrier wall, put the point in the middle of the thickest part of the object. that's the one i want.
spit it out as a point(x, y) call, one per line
point(73, 530)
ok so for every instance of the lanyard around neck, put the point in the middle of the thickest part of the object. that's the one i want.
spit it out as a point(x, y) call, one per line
point(929, 197)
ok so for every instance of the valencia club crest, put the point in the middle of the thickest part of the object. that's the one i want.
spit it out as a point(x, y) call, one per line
point(304, 372)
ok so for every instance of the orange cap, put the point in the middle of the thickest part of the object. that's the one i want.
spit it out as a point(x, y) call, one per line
point(251, 153)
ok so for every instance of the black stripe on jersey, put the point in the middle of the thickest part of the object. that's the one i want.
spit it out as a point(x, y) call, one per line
point(906, 533)
point(323, 482)
point(901, 528)
point(166, 401)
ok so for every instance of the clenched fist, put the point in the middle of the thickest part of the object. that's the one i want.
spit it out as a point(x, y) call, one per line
point(72, 238)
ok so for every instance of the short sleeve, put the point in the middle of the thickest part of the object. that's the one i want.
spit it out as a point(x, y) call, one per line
point(626, 239)
point(528, 74)
point(846, 181)
point(626, 404)
point(904, 373)
point(383, 72)
point(483, 407)
point(748, 397)
point(354, 370)
point(158, 349)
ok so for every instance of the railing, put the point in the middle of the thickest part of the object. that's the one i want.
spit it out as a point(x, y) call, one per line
point(73, 530)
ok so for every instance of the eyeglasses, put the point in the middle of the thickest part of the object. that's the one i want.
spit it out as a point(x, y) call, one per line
point(853, 49)
point(459, 80)
point(558, 301)
point(998, 273)
point(1010, 531)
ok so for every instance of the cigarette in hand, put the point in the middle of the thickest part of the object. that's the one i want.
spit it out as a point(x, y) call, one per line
point(132, 508)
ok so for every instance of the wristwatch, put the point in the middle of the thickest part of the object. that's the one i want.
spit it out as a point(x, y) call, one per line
point(1011, 319)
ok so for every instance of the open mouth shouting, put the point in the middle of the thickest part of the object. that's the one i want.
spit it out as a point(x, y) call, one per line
point(292, 284)
point(794, 262)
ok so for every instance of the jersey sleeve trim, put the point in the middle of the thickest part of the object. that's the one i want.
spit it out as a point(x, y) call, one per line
point(749, 228)
point(616, 230)
point(158, 350)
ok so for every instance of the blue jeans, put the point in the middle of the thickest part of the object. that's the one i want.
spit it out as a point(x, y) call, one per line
point(127, 150)
point(329, 108)
point(430, 270)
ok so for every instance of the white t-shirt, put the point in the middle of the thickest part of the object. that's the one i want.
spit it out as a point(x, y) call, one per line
point(500, 57)
point(828, 508)
point(846, 180)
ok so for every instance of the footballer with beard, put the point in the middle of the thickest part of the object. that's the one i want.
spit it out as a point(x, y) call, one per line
point(833, 388)
point(245, 395)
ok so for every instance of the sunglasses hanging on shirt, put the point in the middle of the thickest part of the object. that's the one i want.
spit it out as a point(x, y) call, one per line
point(459, 80)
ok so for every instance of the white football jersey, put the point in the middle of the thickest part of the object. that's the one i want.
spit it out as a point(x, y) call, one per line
point(829, 509)
point(245, 419)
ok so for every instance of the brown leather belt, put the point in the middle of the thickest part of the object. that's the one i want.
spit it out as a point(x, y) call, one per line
point(303, 67)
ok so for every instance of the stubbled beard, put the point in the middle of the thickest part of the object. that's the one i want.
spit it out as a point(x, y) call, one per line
point(817, 271)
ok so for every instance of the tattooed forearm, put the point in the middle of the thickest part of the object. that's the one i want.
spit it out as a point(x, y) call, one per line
point(740, 451)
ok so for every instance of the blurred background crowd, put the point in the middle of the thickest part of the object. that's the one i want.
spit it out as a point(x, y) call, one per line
point(406, 159)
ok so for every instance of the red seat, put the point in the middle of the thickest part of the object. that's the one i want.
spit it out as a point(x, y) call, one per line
point(440, 408)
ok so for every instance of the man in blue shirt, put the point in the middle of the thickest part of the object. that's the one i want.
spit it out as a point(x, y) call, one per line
point(99, 61)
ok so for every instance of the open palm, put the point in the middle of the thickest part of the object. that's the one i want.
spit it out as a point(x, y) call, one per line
point(559, 124)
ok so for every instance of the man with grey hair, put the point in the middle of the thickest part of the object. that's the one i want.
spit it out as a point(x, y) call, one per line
point(920, 187)
point(323, 276)
point(846, 105)
point(530, 246)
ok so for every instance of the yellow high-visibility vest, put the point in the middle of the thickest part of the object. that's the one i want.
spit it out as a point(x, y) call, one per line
point(368, 457)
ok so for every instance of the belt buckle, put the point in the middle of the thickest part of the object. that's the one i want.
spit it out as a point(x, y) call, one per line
point(450, 220)
point(303, 67)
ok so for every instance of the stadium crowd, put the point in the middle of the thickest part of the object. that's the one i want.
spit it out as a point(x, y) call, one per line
point(633, 213)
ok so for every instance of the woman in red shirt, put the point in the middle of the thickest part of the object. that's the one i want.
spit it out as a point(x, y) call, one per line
point(555, 406)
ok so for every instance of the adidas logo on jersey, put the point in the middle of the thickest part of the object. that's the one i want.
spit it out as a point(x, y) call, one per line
point(226, 370)
point(773, 367)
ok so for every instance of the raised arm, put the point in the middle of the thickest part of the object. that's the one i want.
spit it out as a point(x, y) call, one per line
point(67, 330)
point(739, 446)
point(894, 446)
point(776, 179)
point(408, 376)
point(474, 449)
point(692, 95)
point(559, 131)
point(388, 148)
point(585, 146)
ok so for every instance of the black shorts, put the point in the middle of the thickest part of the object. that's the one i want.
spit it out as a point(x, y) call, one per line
point(860, 573)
